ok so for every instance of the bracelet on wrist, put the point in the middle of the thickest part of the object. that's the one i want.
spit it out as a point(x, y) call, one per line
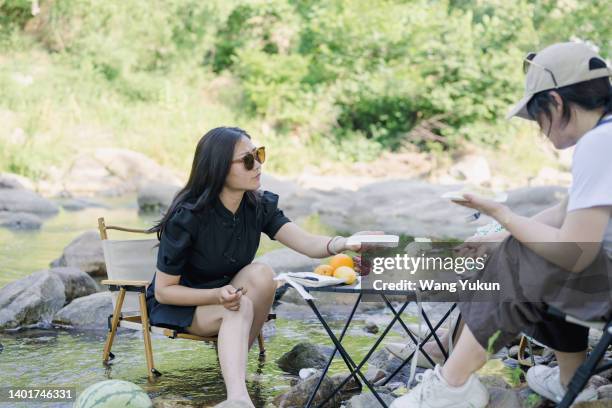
point(327, 247)
point(331, 245)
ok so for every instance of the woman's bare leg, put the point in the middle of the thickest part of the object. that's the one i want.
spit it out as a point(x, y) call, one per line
point(432, 348)
point(233, 328)
point(257, 279)
point(568, 364)
point(467, 357)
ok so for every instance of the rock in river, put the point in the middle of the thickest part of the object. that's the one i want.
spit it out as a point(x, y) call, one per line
point(31, 300)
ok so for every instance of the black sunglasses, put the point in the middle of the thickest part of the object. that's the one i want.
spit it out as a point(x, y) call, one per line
point(529, 61)
point(248, 159)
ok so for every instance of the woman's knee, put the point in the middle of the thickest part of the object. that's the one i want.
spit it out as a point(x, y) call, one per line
point(245, 311)
point(261, 274)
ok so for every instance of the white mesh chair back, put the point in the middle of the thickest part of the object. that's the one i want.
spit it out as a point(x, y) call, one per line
point(130, 260)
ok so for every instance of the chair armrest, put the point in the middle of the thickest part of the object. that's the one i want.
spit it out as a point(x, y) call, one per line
point(124, 282)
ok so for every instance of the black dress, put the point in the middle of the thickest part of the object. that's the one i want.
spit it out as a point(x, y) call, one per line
point(208, 248)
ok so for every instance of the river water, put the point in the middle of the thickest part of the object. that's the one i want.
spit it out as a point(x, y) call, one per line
point(61, 357)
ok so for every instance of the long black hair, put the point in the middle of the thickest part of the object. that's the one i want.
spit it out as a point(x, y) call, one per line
point(211, 164)
point(589, 95)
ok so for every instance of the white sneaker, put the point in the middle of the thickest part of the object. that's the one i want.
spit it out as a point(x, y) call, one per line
point(434, 392)
point(545, 381)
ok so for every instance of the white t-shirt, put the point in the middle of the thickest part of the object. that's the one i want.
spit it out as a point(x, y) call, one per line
point(592, 173)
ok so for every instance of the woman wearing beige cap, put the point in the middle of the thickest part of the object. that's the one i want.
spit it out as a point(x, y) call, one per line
point(561, 257)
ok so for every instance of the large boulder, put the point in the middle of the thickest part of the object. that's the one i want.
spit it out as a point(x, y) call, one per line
point(284, 188)
point(529, 201)
point(472, 168)
point(87, 312)
point(303, 355)
point(78, 204)
point(113, 172)
point(298, 395)
point(15, 181)
point(288, 260)
point(22, 200)
point(76, 282)
point(409, 207)
point(85, 253)
point(33, 299)
point(415, 208)
point(19, 220)
point(156, 197)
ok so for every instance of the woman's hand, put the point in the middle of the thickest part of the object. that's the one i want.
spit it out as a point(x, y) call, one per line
point(479, 245)
point(229, 298)
point(360, 247)
point(485, 206)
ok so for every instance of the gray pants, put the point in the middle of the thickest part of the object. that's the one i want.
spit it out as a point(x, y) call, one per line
point(529, 284)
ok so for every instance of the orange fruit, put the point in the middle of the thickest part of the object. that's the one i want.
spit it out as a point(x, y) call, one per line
point(325, 270)
point(341, 260)
point(348, 274)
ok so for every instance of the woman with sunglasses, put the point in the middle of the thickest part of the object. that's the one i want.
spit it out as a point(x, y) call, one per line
point(561, 257)
point(206, 282)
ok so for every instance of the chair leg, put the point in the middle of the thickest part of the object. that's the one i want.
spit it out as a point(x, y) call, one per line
point(262, 348)
point(113, 329)
point(586, 370)
point(146, 333)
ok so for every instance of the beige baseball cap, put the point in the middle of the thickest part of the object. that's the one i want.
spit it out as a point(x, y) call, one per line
point(557, 66)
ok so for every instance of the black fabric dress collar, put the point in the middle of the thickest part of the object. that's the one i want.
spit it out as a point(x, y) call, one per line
point(224, 212)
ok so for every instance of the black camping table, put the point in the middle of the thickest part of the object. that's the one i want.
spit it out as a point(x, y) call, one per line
point(355, 369)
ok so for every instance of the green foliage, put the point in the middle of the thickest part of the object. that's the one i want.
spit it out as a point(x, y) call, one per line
point(334, 80)
point(533, 400)
point(450, 67)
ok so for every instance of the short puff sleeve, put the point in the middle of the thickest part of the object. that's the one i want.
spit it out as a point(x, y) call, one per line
point(178, 235)
point(273, 217)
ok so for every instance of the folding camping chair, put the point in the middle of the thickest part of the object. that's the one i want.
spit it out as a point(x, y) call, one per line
point(130, 266)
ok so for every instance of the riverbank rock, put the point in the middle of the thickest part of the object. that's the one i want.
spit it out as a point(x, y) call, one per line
point(288, 260)
point(20, 220)
point(76, 282)
point(87, 312)
point(594, 404)
point(472, 168)
point(26, 201)
point(284, 188)
point(303, 355)
point(415, 208)
point(156, 197)
point(368, 400)
point(31, 300)
point(112, 172)
point(298, 395)
point(371, 326)
point(174, 401)
point(79, 204)
point(528, 201)
point(85, 253)
point(503, 398)
point(15, 181)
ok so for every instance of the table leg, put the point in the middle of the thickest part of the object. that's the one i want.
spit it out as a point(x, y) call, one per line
point(347, 359)
point(367, 356)
point(432, 333)
point(331, 358)
point(435, 336)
